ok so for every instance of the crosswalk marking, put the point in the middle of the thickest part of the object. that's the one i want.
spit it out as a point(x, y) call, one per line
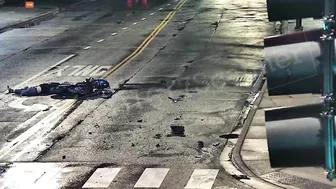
point(65, 175)
point(152, 178)
point(101, 178)
point(202, 179)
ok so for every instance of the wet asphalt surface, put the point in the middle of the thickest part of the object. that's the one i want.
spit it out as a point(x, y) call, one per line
point(173, 101)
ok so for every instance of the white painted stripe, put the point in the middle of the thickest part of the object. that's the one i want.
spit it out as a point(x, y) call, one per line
point(135, 23)
point(46, 123)
point(152, 178)
point(160, 9)
point(114, 34)
point(87, 47)
point(151, 14)
point(168, 4)
point(101, 178)
point(143, 18)
point(202, 179)
point(44, 71)
point(125, 28)
point(101, 40)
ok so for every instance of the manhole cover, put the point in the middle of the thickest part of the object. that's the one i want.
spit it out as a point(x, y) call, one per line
point(287, 179)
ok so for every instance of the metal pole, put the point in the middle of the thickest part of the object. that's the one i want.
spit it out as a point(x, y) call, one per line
point(328, 91)
point(298, 26)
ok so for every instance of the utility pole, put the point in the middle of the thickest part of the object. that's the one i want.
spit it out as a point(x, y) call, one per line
point(328, 114)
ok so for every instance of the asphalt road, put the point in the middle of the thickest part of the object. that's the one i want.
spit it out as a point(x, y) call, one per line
point(185, 86)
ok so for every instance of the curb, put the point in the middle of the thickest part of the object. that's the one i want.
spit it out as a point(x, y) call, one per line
point(231, 159)
point(39, 18)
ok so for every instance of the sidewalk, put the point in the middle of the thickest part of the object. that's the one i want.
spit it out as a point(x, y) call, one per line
point(12, 17)
point(254, 151)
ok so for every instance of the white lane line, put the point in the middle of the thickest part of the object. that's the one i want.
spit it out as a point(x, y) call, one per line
point(44, 71)
point(101, 40)
point(113, 34)
point(151, 14)
point(101, 178)
point(160, 9)
point(202, 179)
point(125, 28)
point(45, 123)
point(135, 23)
point(87, 47)
point(18, 103)
point(152, 178)
point(168, 4)
point(143, 18)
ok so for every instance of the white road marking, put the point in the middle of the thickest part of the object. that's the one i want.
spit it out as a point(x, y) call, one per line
point(113, 34)
point(168, 4)
point(44, 71)
point(160, 9)
point(101, 40)
point(143, 18)
point(152, 178)
point(77, 69)
point(45, 123)
point(101, 178)
point(202, 179)
point(135, 23)
point(87, 70)
point(100, 71)
point(151, 14)
point(18, 104)
point(87, 47)
point(125, 28)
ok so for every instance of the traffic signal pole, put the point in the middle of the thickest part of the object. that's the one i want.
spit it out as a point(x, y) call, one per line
point(328, 113)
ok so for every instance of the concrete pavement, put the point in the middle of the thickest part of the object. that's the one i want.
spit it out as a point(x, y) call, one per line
point(254, 151)
point(175, 99)
point(19, 16)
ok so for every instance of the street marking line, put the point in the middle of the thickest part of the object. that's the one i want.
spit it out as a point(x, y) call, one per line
point(44, 71)
point(125, 28)
point(85, 48)
point(44, 123)
point(101, 40)
point(146, 42)
point(18, 104)
point(160, 9)
point(135, 23)
point(151, 14)
point(69, 104)
point(101, 178)
point(202, 179)
point(151, 178)
point(143, 18)
point(113, 34)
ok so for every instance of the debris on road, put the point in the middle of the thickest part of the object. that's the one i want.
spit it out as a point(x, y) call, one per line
point(96, 126)
point(216, 144)
point(158, 136)
point(63, 157)
point(239, 177)
point(175, 100)
point(229, 136)
point(200, 144)
point(157, 145)
point(140, 121)
point(177, 131)
point(90, 133)
point(133, 145)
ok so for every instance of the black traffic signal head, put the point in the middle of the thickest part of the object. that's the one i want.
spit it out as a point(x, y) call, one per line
point(293, 9)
